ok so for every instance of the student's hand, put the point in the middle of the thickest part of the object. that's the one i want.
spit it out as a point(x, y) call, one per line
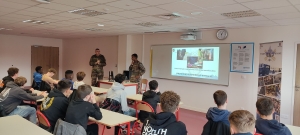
point(31, 89)
point(92, 99)
point(132, 62)
point(44, 94)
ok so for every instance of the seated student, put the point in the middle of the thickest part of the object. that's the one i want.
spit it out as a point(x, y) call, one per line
point(69, 76)
point(48, 78)
point(12, 96)
point(151, 97)
point(56, 104)
point(37, 77)
point(80, 76)
point(242, 122)
point(82, 108)
point(12, 75)
point(266, 125)
point(219, 113)
point(165, 123)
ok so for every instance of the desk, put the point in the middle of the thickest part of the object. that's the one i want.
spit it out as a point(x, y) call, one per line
point(139, 97)
point(112, 119)
point(98, 90)
point(294, 130)
point(16, 125)
point(38, 92)
point(130, 88)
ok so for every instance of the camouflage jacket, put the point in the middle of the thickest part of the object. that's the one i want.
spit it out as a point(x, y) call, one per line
point(94, 59)
point(137, 68)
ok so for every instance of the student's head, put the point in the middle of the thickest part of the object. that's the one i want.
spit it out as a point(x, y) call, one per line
point(64, 86)
point(265, 106)
point(134, 57)
point(83, 91)
point(242, 121)
point(69, 74)
point(120, 78)
point(51, 72)
point(220, 97)
point(97, 51)
point(169, 101)
point(39, 69)
point(153, 85)
point(13, 72)
point(20, 81)
point(80, 76)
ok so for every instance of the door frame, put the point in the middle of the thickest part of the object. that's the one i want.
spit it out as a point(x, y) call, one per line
point(294, 79)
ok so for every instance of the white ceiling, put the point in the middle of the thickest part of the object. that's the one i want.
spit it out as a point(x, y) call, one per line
point(124, 14)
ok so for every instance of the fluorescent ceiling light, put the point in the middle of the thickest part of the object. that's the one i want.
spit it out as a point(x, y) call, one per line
point(100, 24)
point(196, 13)
point(27, 21)
point(8, 29)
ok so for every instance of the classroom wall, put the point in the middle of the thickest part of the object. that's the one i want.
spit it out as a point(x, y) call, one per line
point(16, 51)
point(77, 54)
point(242, 93)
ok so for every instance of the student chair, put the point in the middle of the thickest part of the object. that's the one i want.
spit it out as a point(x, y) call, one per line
point(258, 134)
point(143, 87)
point(43, 121)
point(144, 106)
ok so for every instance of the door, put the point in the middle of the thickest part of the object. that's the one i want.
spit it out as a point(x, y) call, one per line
point(297, 90)
point(47, 57)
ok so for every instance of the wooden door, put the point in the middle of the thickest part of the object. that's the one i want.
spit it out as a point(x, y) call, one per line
point(297, 90)
point(47, 57)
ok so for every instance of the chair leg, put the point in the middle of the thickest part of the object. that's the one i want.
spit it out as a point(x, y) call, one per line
point(103, 129)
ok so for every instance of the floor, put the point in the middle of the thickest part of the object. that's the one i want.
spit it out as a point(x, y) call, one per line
point(194, 122)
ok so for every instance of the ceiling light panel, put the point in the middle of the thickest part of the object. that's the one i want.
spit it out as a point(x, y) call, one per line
point(241, 14)
point(93, 29)
point(86, 12)
point(148, 24)
point(36, 22)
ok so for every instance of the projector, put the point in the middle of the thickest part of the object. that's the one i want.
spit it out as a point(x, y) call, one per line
point(188, 36)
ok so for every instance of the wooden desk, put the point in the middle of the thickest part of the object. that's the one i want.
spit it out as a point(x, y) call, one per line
point(112, 119)
point(16, 125)
point(294, 130)
point(139, 97)
point(98, 90)
point(130, 88)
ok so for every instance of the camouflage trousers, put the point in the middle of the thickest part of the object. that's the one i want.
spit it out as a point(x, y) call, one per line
point(138, 81)
point(96, 73)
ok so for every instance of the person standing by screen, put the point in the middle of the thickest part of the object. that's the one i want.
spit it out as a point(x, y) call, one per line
point(97, 62)
point(137, 69)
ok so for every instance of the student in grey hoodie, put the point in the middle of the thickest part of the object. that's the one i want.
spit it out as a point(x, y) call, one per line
point(12, 96)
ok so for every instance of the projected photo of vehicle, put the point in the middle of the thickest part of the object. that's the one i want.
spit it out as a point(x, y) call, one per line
point(193, 62)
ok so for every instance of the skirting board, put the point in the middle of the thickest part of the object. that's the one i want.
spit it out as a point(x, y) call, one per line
point(193, 108)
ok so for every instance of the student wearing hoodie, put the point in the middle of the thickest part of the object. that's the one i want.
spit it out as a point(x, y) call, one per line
point(151, 97)
point(55, 106)
point(165, 123)
point(37, 77)
point(219, 113)
point(266, 125)
point(242, 122)
point(12, 96)
point(12, 75)
point(69, 76)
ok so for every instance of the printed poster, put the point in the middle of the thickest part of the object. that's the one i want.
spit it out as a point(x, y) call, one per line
point(269, 75)
point(241, 57)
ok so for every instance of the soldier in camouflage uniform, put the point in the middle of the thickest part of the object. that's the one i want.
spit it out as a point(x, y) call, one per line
point(137, 69)
point(97, 61)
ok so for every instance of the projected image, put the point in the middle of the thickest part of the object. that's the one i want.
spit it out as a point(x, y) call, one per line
point(181, 54)
point(193, 62)
point(208, 55)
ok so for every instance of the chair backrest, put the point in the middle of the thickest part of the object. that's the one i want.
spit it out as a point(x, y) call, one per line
point(42, 119)
point(144, 106)
point(258, 134)
point(144, 83)
point(1, 84)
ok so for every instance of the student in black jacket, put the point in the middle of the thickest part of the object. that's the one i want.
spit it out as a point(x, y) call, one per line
point(84, 107)
point(12, 75)
point(242, 122)
point(56, 104)
point(151, 97)
point(165, 123)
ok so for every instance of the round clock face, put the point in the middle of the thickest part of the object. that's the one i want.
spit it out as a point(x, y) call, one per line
point(222, 34)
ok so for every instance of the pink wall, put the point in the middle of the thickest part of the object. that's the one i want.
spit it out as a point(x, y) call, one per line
point(77, 53)
point(16, 51)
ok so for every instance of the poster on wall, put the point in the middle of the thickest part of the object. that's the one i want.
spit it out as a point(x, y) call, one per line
point(241, 57)
point(269, 75)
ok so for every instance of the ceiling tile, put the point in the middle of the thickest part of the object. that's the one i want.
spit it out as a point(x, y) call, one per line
point(261, 23)
point(76, 3)
point(235, 25)
point(103, 1)
point(149, 19)
point(13, 5)
point(42, 10)
point(129, 21)
point(295, 2)
point(228, 8)
point(279, 10)
point(55, 6)
point(111, 17)
point(7, 10)
point(298, 7)
point(252, 19)
point(93, 19)
point(53, 17)
point(25, 2)
point(105, 8)
point(127, 4)
point(28, 13)
point(178, 6)
point(19, 17)
point(241, 1)
point(112, 23)
point(225, 21)
point(151, 11)
point(283, 16)
point(266, 4)
point(129, 14)
point(70, 15)
point(288, 21)
point(211, 17)
point(204, 12)
point(211, 3)
point(156, 2)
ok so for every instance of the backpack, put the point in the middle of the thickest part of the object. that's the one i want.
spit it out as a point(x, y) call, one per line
point(112, 105)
